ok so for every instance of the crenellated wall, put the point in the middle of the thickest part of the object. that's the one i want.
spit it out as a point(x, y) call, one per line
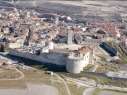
point(72, 64)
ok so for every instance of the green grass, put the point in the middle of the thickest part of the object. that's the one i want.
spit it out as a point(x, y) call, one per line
point(124, 59)
point(96, 91)
point(103, 68)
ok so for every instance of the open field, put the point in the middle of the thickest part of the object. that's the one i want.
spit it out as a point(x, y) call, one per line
point(9, 74)
point(78, 7)
point(39, 77)
point(6, 84)
point(34, 81)
point(32, 89)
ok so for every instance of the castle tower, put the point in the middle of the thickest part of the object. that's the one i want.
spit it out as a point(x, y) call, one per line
point(70, 37)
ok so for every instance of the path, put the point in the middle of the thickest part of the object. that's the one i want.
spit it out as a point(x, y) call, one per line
point(89, 91)
point(60, 78)
point(68, 90)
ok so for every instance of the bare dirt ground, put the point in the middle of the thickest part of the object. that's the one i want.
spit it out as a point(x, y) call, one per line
point(32, 89)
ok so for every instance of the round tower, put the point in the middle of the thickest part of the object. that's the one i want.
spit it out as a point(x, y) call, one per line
point(75, 64)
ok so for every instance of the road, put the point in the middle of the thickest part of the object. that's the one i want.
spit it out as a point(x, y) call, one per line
point(91, 85)
point(88, 84)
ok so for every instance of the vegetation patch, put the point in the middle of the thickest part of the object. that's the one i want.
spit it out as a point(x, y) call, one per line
point(96, 91)
point(88, 68)
point(103, 68)
point(75, 89)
